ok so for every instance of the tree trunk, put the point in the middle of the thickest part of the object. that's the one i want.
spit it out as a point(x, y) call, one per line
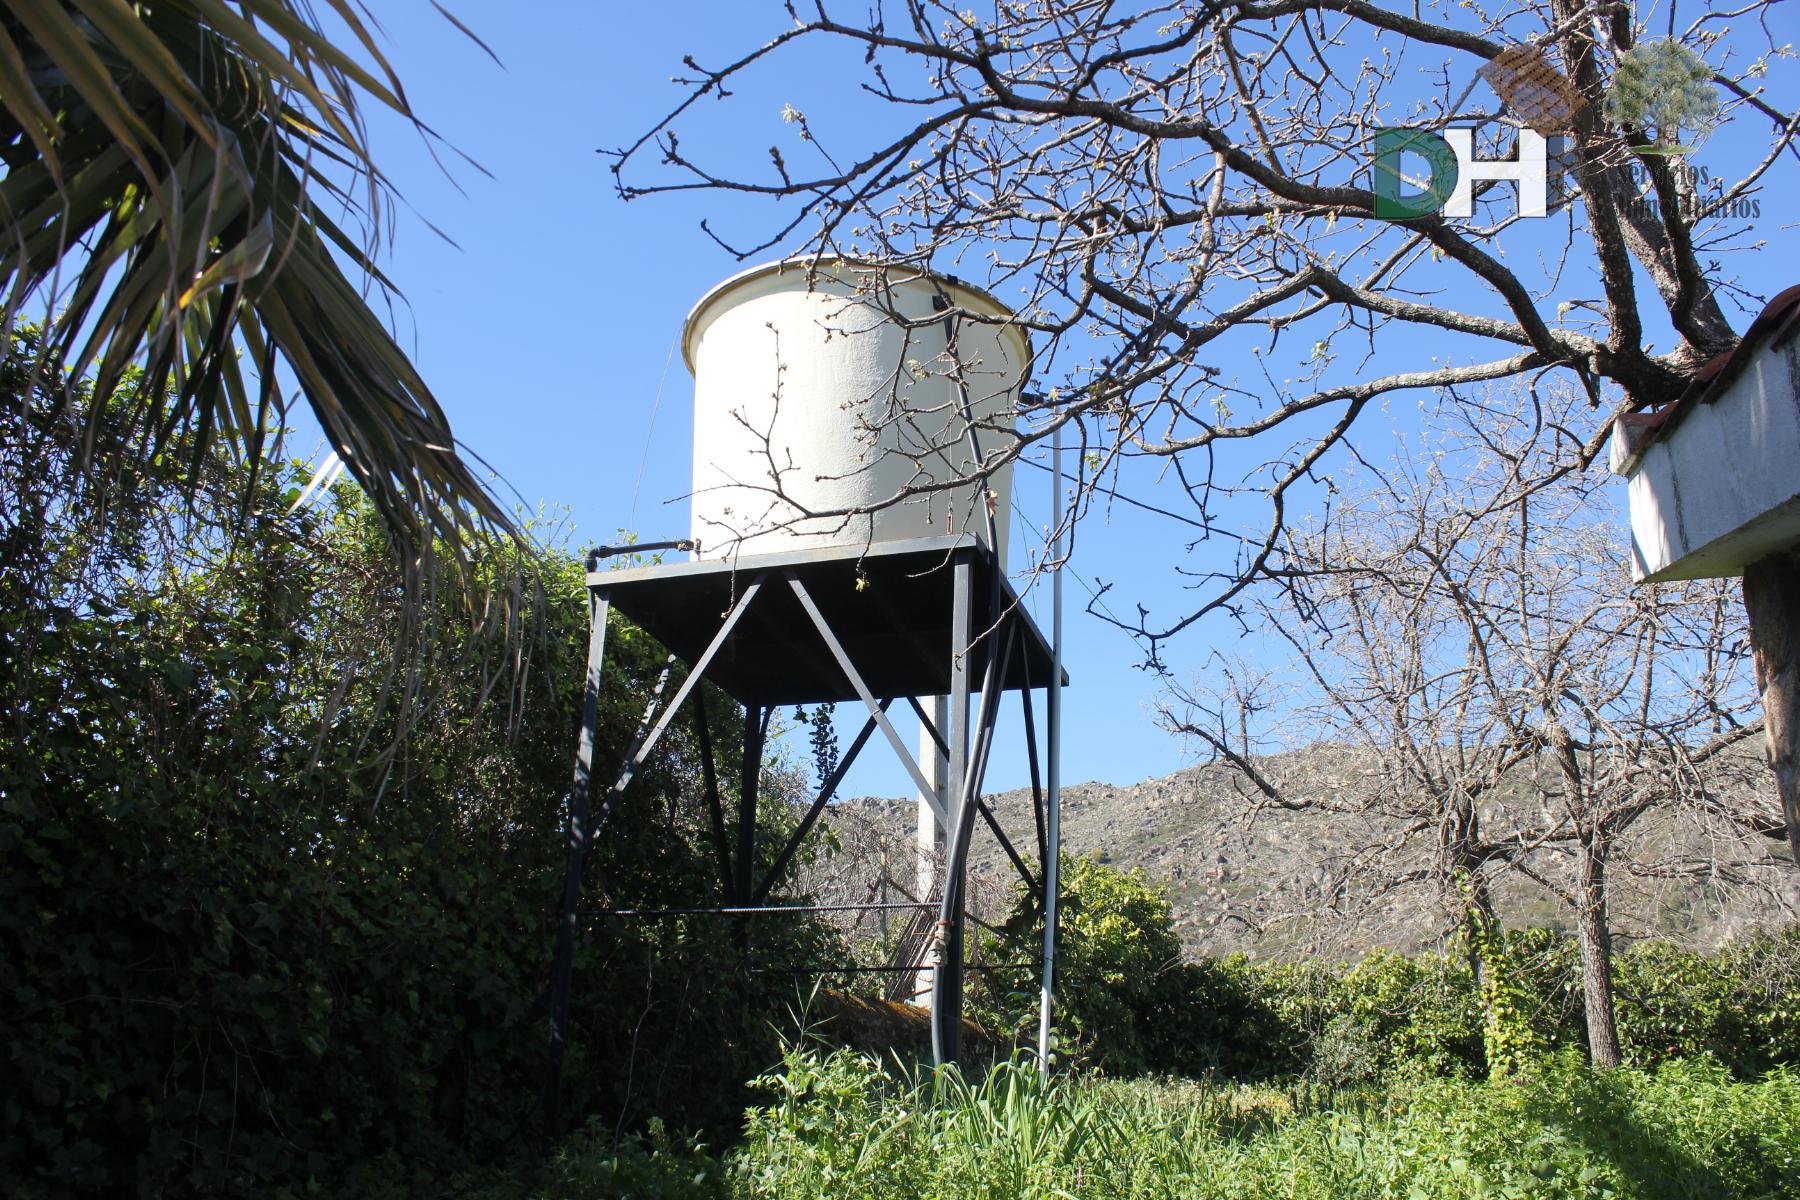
point(1772, 600)
point(1480, 922)
point(1596, 955)
point(1468, 901)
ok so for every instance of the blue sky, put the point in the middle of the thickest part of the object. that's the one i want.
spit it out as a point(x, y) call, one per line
point(556, 356)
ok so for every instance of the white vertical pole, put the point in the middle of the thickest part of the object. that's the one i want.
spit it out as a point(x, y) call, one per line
point(928, 846)
point(1053, 740)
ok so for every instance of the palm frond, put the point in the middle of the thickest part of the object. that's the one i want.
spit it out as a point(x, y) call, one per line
point(169, 168)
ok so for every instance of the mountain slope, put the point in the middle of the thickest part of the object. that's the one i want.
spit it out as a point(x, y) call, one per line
point(1277, 883)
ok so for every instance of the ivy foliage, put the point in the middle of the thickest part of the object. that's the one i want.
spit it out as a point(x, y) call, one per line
point(1117, 952)
point(282, 868)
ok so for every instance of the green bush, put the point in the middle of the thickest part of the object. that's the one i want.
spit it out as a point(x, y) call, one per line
point(1346, 1052)
point(1740, 1006)
point(256, 937)
point(1343, 1023)
point(1120, 986)
point(1301, 999)
point(1227, 1021)
point(1135, 1008)
point(1544, 967)
point(600, 1163)
point(1421, 1010)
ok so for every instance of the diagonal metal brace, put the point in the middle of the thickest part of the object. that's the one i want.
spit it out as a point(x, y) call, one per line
point(868, 698)
point(643, 751)
point(981, 805)
point(930, 726)
point(826, 792)
point(1031, 756)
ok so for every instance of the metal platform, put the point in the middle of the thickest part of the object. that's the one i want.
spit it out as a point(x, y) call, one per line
point(892, 606)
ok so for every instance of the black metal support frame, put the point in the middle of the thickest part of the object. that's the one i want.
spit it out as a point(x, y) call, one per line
point(1004, 647)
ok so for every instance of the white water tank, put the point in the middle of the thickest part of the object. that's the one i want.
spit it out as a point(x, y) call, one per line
point(824, 386)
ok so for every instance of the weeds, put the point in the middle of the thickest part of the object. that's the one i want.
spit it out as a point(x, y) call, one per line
point(839, 1126)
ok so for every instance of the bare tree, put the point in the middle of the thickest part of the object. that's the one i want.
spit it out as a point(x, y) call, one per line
point(1465, 617)
point(1180, 200)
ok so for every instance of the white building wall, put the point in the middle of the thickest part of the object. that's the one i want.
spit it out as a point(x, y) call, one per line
point(1722, 489)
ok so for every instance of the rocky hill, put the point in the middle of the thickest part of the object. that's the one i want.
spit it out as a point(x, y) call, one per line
point(1278, 883)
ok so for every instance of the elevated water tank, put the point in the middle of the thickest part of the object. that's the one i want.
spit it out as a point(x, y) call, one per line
point(836, 385)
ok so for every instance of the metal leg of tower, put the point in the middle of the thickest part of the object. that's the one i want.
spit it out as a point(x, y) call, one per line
point(580, 835)
point(585, 822)
point(1037, 787)
point(715, 804)
point(947, 984)
point(928, 835)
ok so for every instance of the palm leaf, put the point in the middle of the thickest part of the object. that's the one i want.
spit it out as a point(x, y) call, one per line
point(35, 118)
point(167, 165)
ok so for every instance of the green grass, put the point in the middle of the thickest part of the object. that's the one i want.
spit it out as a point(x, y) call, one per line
point(838, 1127)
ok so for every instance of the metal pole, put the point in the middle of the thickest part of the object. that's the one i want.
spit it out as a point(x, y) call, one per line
point(580, 835)
point(715, 805)
point(946, 976)
point(928, 832)
point(754, 910)
point(946, 1004)
point(748, 781)
point(1053, 746)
